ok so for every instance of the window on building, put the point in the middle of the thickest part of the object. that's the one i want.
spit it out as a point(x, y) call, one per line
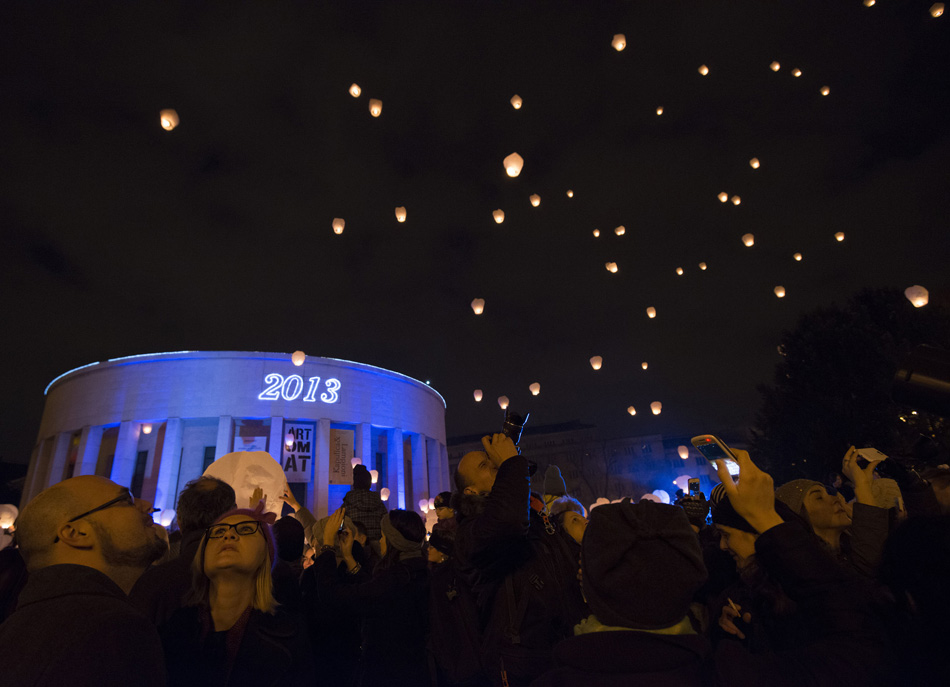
point(208, 459)
point(138, 476)
point(646, 448)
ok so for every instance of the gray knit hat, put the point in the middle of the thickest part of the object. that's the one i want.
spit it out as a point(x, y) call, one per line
point(554, 482)
point(793, 493)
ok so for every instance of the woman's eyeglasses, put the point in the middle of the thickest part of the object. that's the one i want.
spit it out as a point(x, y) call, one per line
point(244, 529)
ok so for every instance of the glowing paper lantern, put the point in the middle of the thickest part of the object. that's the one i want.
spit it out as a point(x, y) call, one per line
point(535, 199)
point(662, 494)
point(400, 214)
point(779, 291)
point(166, 517)
point(736, 200)
point(656, 407)
point(146, 429)
point(869, 3)
point(570, 193)
point(679, 271)
point(703, 70)
point(796, 73)
point(431, 503)
point(513, 164)
point(611, 267)
point(683, 452)
point(723, 197)
point(535, 389)
point(168, 119)
point(478, 306)
point(516, 101)
point(651, 497)
point(8, 515)
point(619, 42)
point(754, 163)
point(596, 233)
point(499, 216)
point(338, 225)
point(298, 358)
point(702, 265)
point(936, 9)
point(374, 475)
point(355, 461)
point(478, 395)
point(596, 362)
point(290, 440)
point(355, 90)
point(917, 295)
point(775, 66)
point(631, 410)
point(825, 90)
point(644, 365)
point(798, 257)
point(375, 107)
point(620, 231)
point(384, 494)
point(651, 312)
point(748, 240)
point(423, 505)
point(839, 236)
point(659, 111)
point(502, 402)
point(682, 482)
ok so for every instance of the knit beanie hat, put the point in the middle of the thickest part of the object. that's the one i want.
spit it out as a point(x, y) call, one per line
point(553, 482)
point(724, 514)
point(361, 477)
point(265, 519)
point(792, 494)
point(444, 500)
point(641, 564)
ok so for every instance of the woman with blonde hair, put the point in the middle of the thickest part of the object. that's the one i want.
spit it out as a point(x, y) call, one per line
point(232, 632)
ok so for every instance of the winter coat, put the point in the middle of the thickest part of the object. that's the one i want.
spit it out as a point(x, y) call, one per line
point(523, 575)
point(273, 652)
point(74, 626)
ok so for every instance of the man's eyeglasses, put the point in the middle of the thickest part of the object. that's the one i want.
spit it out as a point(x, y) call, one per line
point(125, 497)
point(244, 529)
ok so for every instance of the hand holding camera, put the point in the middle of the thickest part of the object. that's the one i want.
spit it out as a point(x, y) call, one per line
point(499, 448)
point(858, 466)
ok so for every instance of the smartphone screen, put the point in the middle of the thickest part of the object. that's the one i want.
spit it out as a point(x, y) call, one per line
point(694, 486)
point(713, 452)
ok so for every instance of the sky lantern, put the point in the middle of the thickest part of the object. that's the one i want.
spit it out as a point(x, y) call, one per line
point(754, 163)
point(499, 216)
point(644, 365)
point(423, 505)
point(703, 70)
point(662, 494)
point(619, 42)
point(596, 362)
point(839, 236)
point(869, 3)
point(596, 233)
point(535, 389)
point(723, 197)
point(478, 395)
point(631, 410)
point(502, 402)
point(355, 90)
point(570, 193)
point(516, 101)
point(355, 461)
point(513, 164)
point(683, 452)
point(779, 291)
point(736, 200)
point(289, 440)
point(168, 119)
point(775, 66)
point(936, 9)
point(748, 240)
point(478, 306)
point(796, 73)
point(384, 494)
point(338, 225)
point(146, 429)
point(659, 111)
point(798, 257)
point(374, 475)
point(702, 265)
point(917, 295)
point(825, 90)
point(400, 214)
point(656, 407)
point(651, 312)
point(620, 231)
point(679, 271)
point(375, 107)
point(611, 267)
point(298, 358)
point(535, 199)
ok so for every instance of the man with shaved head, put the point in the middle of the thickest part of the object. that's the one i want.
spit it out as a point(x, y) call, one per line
point(85, 541)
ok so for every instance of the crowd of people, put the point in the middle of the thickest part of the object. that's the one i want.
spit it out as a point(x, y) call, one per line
point(806, 584)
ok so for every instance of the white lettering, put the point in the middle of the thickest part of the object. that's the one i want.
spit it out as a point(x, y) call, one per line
point(291, 386)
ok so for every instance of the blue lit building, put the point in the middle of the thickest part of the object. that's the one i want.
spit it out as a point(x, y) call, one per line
point(156, 421)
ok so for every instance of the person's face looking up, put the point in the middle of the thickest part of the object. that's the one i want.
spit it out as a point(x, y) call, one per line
point(574, 524)
point(479, 472)
point(825, 512)
point(230, 550)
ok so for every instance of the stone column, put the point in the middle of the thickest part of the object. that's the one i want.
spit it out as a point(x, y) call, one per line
point(126, 447)
point(223, 443)
point(275, 444)
point(57, 464)
point(444, 463)
point(396, 469)
point(434, 463)
point(420, 472)
point(166, 495)
point(35, 473)
point(320, 498)
point(363, 444)
point(88, 455)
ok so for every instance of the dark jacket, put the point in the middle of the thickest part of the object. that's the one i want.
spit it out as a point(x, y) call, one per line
point(74, 626)
point(523, 575)
point(273, 652)
point(393, 607)
point(160, 591)
point(847, 643)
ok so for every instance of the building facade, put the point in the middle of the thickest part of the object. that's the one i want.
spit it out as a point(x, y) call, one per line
point(154, 422)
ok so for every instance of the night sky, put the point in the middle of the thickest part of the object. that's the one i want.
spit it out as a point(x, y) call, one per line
point(118, 237)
